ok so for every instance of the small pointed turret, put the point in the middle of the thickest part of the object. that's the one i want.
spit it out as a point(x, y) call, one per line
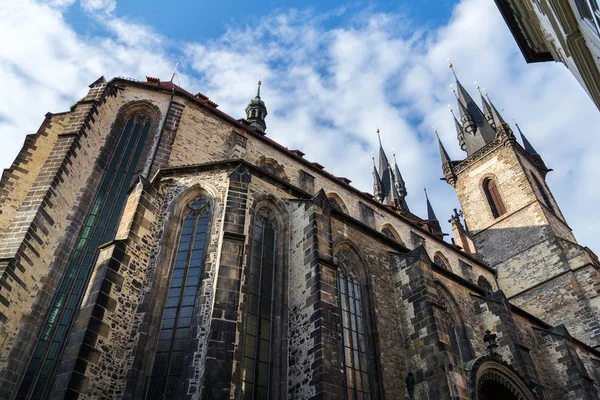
point(446, 162)
point(430, 213)
point(538, 160)
point(487, 109)
point(256, 111)
point(432, 218)
point(498, 120)
point(526, 144)
point(400, 186)
point(460, 133)
point(377, 185)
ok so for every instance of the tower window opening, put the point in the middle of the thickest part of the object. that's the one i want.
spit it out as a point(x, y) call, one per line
point(493, 197)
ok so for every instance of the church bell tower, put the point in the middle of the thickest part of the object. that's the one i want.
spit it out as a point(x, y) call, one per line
point(515, 223)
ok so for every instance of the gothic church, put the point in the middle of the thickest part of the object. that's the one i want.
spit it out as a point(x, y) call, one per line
point(154, 247)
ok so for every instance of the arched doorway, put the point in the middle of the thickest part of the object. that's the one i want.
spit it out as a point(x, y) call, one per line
point(491, 390)
point(493, 379)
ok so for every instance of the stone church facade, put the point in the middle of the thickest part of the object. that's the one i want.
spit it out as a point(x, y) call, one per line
point(152, 247)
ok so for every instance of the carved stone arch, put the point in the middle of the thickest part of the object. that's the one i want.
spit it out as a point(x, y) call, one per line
point(139, 110)
point(266, 205)
point(484, 284)
point(351, 263)
point(389, 231)
point(272, 166)
point(490, 378)
point(442, 261)
point(454, 324)
point(337, 202)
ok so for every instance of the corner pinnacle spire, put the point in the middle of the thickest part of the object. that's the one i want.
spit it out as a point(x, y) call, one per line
point(432, 218)
point(400, 186)
point(256, 111)
point(377, 184)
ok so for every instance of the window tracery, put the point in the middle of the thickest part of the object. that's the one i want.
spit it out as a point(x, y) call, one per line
point(174, 344)
point(357, 351)
point(260, 316)
point(459, 344)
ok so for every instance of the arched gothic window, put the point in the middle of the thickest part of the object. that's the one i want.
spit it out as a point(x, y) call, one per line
point(99, 226)
point(337, 203)
point(492, 194)
point(387, 231)
point(440, 260)
point(453, 324)
point(168, 377)
point(543, 192)
point(358, 346)
point(485, 285)
point(258, 337)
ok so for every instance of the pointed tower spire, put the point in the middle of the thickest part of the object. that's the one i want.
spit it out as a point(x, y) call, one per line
point(460, 133)
point(377, 185)
point(477, 130)
point(430, 213)
point(498, 120)
point(385, 172)
point(256, 111)
point(526, 144)
point(432, 219)
point(487, 109)
point(400, 186)
point(446, 162)
point(538, 160)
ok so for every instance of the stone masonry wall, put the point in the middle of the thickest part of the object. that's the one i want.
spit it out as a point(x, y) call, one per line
point(17, 180)
point(205, 138)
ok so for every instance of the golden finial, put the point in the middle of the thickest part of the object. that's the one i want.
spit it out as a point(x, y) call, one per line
point(259, 83)
point(434, 129)
point(450, 108)
point(451, 66)
point(515, 121)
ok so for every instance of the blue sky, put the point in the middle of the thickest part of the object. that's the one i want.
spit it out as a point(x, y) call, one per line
point(204, 20)
point(332, 72)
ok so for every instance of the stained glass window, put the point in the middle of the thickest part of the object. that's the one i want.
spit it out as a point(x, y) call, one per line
point(259, 317)
point(174, 340)
point(100, 226)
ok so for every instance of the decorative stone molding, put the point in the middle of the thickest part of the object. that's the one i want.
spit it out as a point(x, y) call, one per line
point(491, 368)
point(273, 167)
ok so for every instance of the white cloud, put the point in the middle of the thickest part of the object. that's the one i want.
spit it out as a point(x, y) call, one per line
point(326, 89)
point(105, 6)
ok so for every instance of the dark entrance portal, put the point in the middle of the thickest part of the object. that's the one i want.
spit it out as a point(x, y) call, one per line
point(491, 390)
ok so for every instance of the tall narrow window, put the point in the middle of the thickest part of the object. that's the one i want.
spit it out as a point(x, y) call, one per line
point(99, 226)
point(259, 318)
point(355, 346)
point(174, 344)
point(459, 343)
point(360, 376)
point(542, 190)
point(493, 197)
